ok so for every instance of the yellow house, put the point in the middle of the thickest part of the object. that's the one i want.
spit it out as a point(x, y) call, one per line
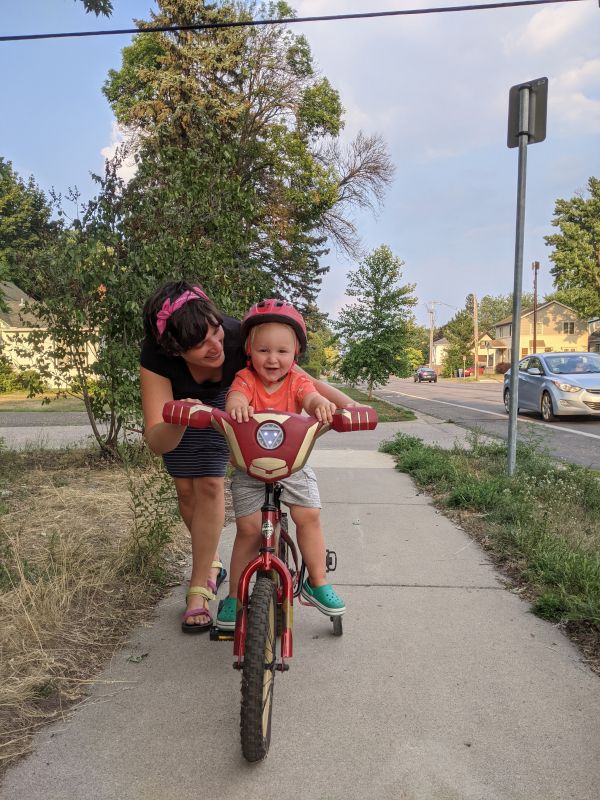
point(553, 327)
point(16, 328)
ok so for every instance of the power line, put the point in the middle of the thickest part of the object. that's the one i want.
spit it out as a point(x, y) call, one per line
point(284, 21)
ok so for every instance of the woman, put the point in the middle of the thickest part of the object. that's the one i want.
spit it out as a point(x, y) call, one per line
point(192, 351)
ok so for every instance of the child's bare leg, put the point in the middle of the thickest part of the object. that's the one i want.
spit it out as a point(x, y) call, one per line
point(245, 547)
point(311, 542)
point(312, 546)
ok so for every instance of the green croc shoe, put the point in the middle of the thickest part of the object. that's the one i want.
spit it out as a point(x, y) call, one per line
point(324, 598)
point(227, 614)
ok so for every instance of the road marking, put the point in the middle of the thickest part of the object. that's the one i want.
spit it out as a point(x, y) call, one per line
point(552, 426)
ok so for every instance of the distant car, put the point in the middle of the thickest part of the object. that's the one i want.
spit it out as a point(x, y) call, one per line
point(469, 371)
point(557, 384)
point(425, 374)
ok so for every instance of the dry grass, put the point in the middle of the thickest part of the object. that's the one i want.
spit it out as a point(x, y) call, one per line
point(67, 596)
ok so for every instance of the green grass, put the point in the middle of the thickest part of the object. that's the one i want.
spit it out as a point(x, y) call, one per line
point(385, 411)
point(542, 524)
point(20, 402)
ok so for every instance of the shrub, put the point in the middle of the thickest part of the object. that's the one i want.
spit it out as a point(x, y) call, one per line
point(9, 381)
point(502, 367)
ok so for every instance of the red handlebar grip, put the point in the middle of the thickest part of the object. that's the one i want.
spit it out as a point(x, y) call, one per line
point(186, 412)
point(357, 418)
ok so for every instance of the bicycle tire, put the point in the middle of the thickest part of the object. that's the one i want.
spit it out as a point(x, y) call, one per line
point(258, 673)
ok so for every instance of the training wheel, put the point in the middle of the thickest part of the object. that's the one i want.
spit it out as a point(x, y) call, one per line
point(338, 628)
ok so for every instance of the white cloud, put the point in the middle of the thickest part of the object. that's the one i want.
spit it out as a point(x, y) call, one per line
point(573, 98)
point(117, 138)
point(550, 26)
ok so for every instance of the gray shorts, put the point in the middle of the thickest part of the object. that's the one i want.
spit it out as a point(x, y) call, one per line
point(248, 493)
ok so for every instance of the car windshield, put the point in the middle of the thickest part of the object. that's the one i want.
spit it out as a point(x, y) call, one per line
point(573, 363)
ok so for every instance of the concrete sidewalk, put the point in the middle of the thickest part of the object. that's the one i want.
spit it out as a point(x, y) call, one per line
point(443, 686)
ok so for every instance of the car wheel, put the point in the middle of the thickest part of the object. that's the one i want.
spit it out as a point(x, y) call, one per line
point(547, 410)
point(435, 380)
point(507, 401)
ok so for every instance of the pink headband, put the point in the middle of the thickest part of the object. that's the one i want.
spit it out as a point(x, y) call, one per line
point(169, 307)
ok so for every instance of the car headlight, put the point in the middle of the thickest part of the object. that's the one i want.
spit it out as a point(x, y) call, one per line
point(270, 435)
point(566, 387)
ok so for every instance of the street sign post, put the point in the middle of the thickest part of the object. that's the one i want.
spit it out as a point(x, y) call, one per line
point(527, 111)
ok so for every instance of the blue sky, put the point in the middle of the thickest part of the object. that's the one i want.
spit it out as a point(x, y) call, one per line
point(436, 87)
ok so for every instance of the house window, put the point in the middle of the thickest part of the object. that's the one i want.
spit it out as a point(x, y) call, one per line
point(524, 351)
point(569, 327)
point(539, 328)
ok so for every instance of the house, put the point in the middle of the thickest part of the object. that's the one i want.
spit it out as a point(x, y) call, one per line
point(553, 327)
point(594, 335)
point(439, 353)
point(16, 327)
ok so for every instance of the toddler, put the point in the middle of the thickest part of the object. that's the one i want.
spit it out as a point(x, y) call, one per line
point(275, 335)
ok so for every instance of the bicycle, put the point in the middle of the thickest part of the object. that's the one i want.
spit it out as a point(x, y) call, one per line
point(270, 446)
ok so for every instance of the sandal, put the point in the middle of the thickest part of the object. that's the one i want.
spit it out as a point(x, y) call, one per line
point(214, 585)
point(198, 612)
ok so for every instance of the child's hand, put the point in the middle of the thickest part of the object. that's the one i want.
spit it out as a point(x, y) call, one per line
point(241, 412)
point(323, 410)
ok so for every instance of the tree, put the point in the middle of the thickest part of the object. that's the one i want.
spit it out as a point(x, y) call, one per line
point(91, 289)
point(374, 329)
point(576, 255)
point(322, 352)
point(98, 7)
point(238, 161)
point(460, 334)
point(492, 308)
point(24, 222)
point(417, 349)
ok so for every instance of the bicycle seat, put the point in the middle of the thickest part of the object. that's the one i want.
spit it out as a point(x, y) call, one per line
point(272, 444)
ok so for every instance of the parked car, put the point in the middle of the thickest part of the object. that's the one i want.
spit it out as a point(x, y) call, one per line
point(425, 374)
point(469, 371)
point(557, 384)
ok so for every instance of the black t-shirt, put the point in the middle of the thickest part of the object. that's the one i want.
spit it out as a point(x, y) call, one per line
point(176, 370)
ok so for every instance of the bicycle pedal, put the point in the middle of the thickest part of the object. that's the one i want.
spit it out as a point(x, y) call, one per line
point(217, 635)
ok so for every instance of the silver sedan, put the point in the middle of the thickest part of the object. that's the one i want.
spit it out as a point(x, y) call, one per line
point(558, 384)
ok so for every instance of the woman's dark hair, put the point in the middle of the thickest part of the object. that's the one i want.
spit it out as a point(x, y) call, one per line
point(187, 326)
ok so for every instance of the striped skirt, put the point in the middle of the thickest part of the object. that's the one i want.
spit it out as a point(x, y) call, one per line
point(201, 453)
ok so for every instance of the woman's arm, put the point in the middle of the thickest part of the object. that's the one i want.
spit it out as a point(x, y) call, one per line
point(156, 390)
point(332, 394)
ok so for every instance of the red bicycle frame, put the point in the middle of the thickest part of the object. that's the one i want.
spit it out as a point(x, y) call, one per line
point(270, 446)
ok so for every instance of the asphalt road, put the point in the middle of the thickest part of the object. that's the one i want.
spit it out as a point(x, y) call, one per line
point(478, 405)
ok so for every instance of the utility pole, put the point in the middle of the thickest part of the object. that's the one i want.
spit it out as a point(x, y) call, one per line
point(431, 311)
point(476, 332)
point(535, 266)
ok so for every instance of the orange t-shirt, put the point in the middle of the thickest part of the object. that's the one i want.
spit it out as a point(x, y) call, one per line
point(288, 397)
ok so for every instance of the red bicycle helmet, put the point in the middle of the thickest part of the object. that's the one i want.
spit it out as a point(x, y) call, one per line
point(274, 311)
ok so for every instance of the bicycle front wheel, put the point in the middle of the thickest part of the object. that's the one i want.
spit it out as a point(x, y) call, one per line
point(258, 674)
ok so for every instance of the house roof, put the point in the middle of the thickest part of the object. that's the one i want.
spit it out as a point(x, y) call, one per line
point(443, 340)
point(527, 311)
point(14, 299)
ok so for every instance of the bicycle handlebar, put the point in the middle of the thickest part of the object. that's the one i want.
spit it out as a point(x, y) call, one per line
point(272, 444)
